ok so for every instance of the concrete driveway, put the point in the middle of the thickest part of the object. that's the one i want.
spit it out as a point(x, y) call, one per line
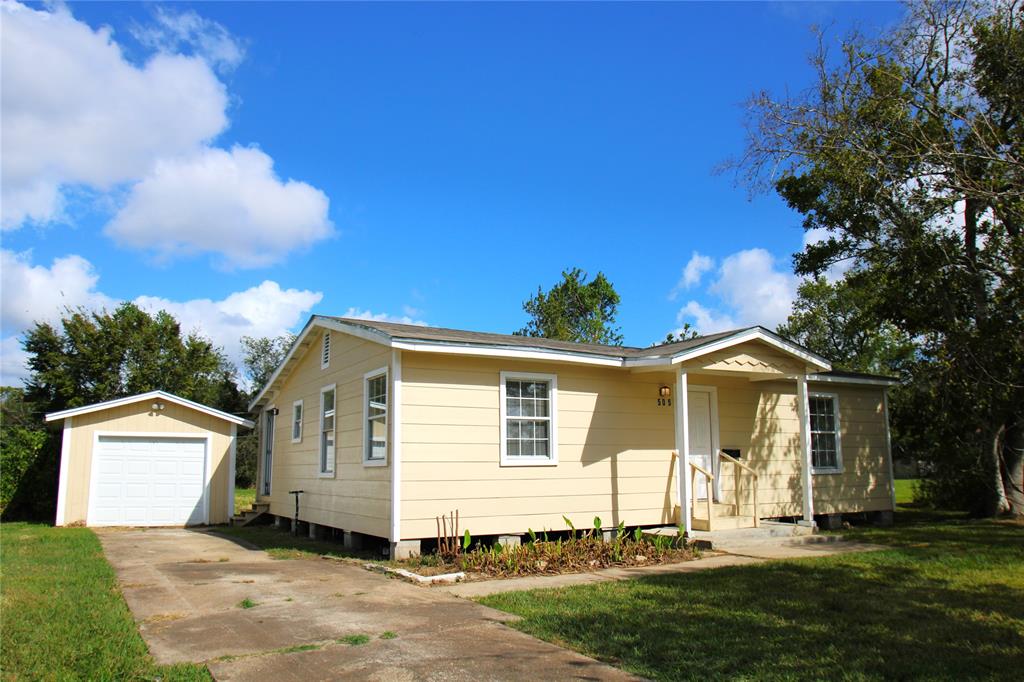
point(185, 589)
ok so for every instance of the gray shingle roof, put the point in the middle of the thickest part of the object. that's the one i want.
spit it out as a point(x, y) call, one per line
point(414, 332)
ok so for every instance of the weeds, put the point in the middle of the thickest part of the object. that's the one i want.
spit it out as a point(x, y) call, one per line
point(354, 640)
point(247, 603)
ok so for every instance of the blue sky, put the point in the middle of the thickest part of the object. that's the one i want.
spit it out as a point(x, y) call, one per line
point(247, 164)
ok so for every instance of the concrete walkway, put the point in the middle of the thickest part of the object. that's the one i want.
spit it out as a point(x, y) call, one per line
point(186, 588)
point(740, 552)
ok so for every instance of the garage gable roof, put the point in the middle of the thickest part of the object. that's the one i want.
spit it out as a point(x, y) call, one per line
point(152, 395)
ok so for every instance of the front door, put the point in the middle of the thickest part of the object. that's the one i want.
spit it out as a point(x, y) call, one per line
point(701, 451)
point(268, 451)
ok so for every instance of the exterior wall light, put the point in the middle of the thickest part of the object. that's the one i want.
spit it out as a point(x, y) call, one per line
point(665, 391)
point(157, 407)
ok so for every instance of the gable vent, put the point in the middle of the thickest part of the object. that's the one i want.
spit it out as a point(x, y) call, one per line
point(325, 355)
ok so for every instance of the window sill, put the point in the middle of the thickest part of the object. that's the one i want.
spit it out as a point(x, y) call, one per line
point(826, 472)
point(296, 441)
point(528, 462)
point(325, 474)
point(375, 462)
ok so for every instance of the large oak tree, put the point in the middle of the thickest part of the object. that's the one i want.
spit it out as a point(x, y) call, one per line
point(908, 152)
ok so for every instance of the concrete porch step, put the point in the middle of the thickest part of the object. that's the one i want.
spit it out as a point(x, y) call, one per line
point(724, 523)
point(249, 515)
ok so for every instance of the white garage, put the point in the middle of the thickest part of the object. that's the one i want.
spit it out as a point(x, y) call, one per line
point(153, 459)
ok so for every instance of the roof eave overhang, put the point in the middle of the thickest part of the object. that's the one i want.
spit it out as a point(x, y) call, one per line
point(161, 395)
point(527, 353)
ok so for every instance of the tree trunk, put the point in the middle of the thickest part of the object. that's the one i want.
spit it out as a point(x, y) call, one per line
point(1012, 467)
point(996, 503)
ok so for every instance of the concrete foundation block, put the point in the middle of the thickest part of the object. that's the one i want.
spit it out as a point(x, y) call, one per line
point(316, 531)
point(280, 522)
point(510, 540)
point(405, 549)
point(882, 518)
point(829, 521)
point(352, 540)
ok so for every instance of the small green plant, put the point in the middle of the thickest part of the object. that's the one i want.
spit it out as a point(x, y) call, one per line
point(354, 640)
point(467, 541)
point(247, 603)
point(597, 526)
point(388, 634)
point(533, 536)
point(572, 528)
point(638, 535)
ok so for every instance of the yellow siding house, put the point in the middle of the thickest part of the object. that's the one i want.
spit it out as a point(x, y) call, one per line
point(385, 427)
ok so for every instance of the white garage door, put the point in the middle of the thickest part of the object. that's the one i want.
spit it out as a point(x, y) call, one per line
point(148, 481)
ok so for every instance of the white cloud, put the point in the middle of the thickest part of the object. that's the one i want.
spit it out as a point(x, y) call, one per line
point(692, 273)
point(704, 320)
point(13, 362)
point(749, 289)
point(33, 293)
point(174, 32)
point(76, 112)
point(357, 314)
point(263, 310)
point(225, 202)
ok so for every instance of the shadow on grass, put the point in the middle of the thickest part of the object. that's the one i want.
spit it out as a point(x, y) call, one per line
point(281, 544)
point(947, 603)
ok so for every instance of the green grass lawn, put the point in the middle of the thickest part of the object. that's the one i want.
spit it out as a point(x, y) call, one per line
point(244, 497)
point(944, 600)
point(63, 615)
point(905, 490)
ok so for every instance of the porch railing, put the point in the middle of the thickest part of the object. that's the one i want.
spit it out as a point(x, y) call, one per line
point(739, 468)
point(694, 470)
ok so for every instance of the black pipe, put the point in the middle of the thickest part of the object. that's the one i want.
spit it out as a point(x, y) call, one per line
point(295, 524)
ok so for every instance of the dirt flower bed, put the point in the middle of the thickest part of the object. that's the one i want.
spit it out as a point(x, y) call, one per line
point(540, 556)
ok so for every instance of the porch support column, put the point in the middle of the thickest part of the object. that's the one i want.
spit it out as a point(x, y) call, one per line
point(683, 479)
point(803, 411)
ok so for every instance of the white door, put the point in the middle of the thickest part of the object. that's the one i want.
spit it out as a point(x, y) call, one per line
point(700, 438)
point(148, 481)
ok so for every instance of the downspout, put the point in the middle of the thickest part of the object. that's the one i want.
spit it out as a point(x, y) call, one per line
point(396, 449)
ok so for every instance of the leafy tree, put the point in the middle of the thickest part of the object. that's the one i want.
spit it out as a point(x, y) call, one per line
point(92, 357)
point(262, 355)
point(22, 438)
point(685, 334)
point(909, 153)
point(835, 321)
point(575, 310)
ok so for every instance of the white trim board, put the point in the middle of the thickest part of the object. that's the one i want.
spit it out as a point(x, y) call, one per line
point(364, 449)
point(396, 445)
point(151, 395)
point(65, 465)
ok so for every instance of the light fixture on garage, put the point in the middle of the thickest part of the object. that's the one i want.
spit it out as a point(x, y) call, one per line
point(157, 407)
point(665, 391)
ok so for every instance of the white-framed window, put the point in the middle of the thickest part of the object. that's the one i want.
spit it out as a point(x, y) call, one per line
point(325, 350)
point(297, 421)
point(375, 417)
point(529, 419)
point(328, 399)
point(826, 448)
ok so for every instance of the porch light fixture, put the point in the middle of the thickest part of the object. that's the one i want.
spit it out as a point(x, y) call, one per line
point(157, 407)
point(665, 391)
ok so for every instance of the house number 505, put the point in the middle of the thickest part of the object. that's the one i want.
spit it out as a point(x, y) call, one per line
point(665, 402)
